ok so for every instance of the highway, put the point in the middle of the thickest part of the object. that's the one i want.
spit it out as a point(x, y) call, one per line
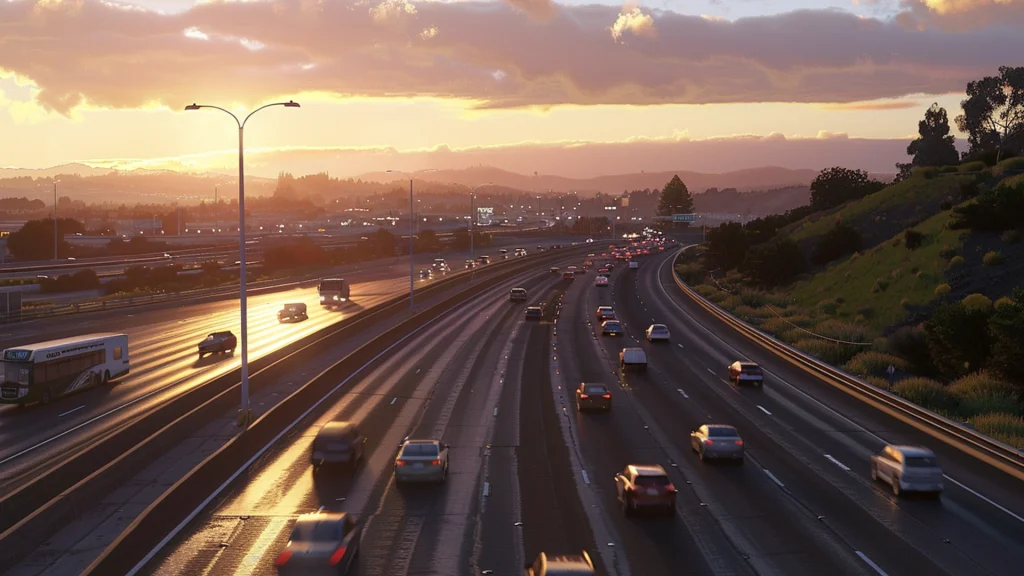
point(529, 474)
point(164, 359)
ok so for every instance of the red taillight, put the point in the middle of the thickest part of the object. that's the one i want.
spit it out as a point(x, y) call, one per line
point(283, 558)
point(671, 487)
point(400, 462)
point(708, 442)
point(435, 462)
point(739, 442)
point(584, 396)
point(606, 396)
point(337, 556)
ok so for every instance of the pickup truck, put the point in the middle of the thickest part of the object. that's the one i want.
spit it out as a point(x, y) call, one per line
point(218, 342)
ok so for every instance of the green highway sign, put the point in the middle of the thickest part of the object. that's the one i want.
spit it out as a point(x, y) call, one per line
point(683, 217)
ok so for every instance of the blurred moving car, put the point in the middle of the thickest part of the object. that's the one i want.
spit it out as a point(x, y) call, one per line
point(716, 442)
point(295, 311)
point(517, 295)
point(338, 442)
point(566, 565)
point(908, 469)
point(554, 270)
point(657, 332)
point(421, 461)
point(591, 396)
point(740, 372)
point(632, 359)
point(321, 543)
point(218, 343)
point(534, 313)
point(641, 486)
point(426, 274)
point(611, 328)
point(568, 275)
point(601, 280)
point(605, 313)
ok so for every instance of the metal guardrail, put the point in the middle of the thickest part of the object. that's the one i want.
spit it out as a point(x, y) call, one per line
point(1002, 456)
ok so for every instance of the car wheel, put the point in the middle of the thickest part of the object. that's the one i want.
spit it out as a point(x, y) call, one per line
point(895, 485)
point(46, 396)
point(106, 376)
point(701, 454)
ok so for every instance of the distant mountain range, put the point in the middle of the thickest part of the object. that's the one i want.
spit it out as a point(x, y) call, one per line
point(764, 178)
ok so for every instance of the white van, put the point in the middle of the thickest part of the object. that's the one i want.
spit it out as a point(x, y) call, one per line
point(633, 359)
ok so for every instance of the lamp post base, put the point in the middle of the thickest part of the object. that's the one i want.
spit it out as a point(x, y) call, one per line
point(244, 418)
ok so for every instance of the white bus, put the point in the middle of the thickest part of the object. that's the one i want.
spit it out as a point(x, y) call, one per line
point(47, 370)
point(333, 292)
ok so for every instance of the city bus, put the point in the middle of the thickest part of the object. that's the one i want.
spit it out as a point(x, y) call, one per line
point(333, 292)
point(47, 370)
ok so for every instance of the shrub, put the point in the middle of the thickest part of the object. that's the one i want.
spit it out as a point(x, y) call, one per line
point(1004, 427)
point(880, 383)
point(1006, 327)
point(881, 284)
point(912, 239)
point(828, 307)
point(946, 205)
point(1011, 236)
point(1003, 303)
point(942, 290)
point(705, 290)
point(994, 210)
point(753, 298)
point(905, 303)
point(775, 264)
point(958, 339)
point(827, 351)
point(794, 335)
point(949, 169)
point(839, 330)
point(924, 392)
point(992, 258)
point(947, 252)
point(801, 320)
point(718, 296)
point(911, 343)
point(866, 311)
point(972, 166)
point(775, 325)
point(981, 392)
point(978, 302)
point(872, 363)
point(956, 261)
point(748, 312)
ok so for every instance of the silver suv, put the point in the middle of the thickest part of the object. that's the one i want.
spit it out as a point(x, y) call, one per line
point(908, 469)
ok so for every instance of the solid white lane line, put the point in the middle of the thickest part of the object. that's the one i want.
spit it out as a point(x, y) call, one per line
point(954, 481)
point(765, 410)
point(495, 410)
point(69, 412)
point(837, 462)
point(586, 478)
point(487, 489)
point(774, 479)
point(393, 400)
point(868, 561)
point(680, 390)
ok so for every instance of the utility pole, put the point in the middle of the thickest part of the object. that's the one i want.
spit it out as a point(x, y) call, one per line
point(55, 242)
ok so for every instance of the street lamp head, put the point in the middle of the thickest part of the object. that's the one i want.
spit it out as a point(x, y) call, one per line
point(193, 106)
point(291, 104)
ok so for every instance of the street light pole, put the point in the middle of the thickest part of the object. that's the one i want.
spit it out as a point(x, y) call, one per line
point(245, 414)
point(412, 220)
point(472, 212)
point(55, 242)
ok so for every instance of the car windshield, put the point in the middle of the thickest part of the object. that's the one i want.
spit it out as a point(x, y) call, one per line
point(921, 462)
point(420, 449)
point(611, 325)
point(721, 432)
point(327, 531)
point(595, 389)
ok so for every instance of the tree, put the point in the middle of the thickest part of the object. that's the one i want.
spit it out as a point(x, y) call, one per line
point(841, 240)
point(958, 339)
point(34, 241)
point(1006, 328)
point(727, 246)
point(835, 186)
point(775, 264)
point(675, 198)
point(934, 146)
point(993, 113)
point(904, 171)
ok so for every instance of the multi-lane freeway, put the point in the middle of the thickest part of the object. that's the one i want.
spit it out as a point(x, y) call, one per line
point(529, 474)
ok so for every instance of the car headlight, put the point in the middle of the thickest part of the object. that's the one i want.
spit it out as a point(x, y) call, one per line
point(322, 298)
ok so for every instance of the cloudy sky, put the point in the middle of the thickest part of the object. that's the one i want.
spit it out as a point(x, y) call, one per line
point(85, 80)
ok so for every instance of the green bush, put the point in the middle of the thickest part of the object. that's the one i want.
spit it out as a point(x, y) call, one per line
point(794, 335)
point(978, 302)
point(828, 351)
point(1007, 428)
point(942, 290)
point(912, 239)
point(872, 363)
point(865, 311)
point(705, 290)
point(981, 393)
point(947, 252)
point(992, 258)
point(828, 307)
point(911, 343)
point(1003, 302)
point(924, 392)
point(972, 166)
point(753, 298)
point(959, 339)
point(1014, 164)
point(718, 296)
point(956, 261)
point(839, 330)
point(881, 285)
point(905, 303)
point(880, 383)
point(949, 169)
point(744, 311)
point(775, 325)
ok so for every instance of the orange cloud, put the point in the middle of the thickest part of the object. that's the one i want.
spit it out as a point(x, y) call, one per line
point(881, 105)
point(97, 54)
point(961, 15)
